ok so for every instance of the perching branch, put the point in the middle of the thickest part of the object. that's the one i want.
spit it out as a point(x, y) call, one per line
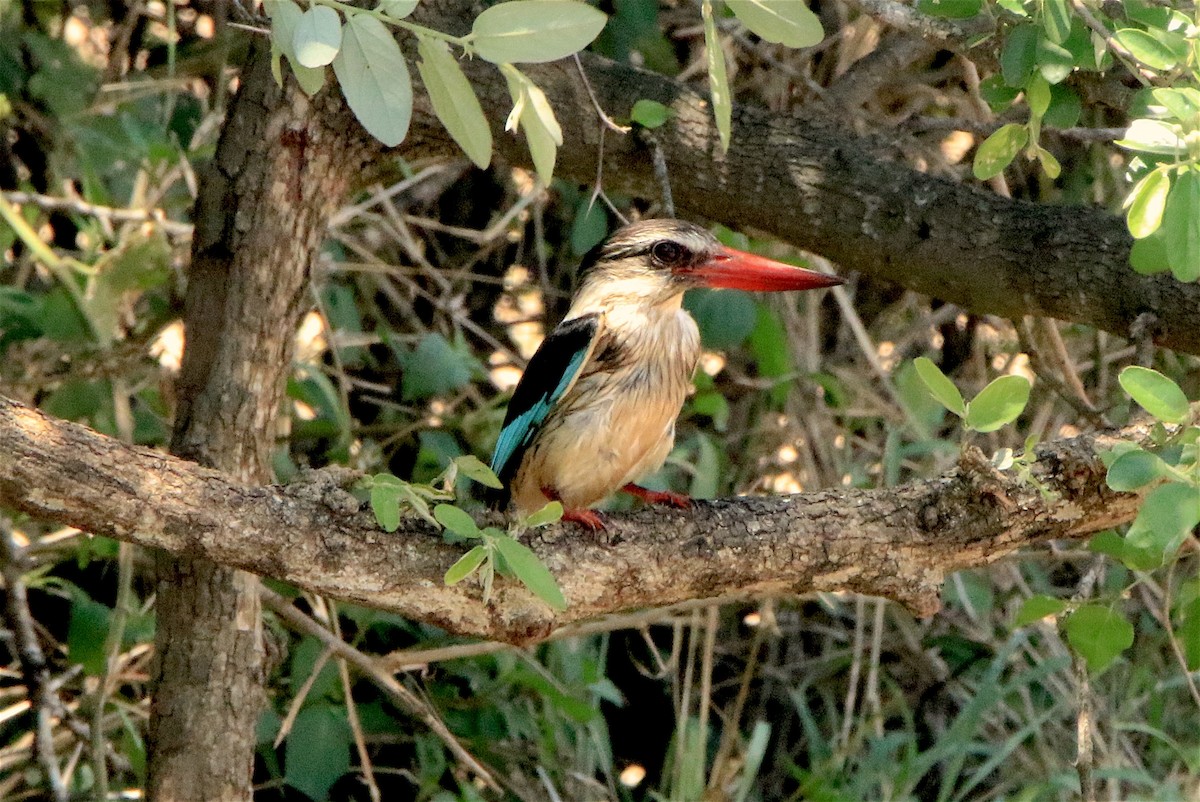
point(895, 542)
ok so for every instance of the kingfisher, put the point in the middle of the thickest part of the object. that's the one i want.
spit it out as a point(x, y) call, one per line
point(596, 406)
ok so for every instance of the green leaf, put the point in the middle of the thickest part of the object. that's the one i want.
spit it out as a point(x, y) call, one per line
point(1035, 608)
point(1156, 393)
point(473, 468)
point(1050, 165)
point(1183, 103)
point(1149, 255)
point(551, 513)
point(1056, 20)
point(456, 520)
point(1054, 61)
point(1001, 402)
point(1135, 469)
point(1138, 559)
point(435, 367)
point(785, 22)
point(649, 113)
point(1098, 634)
point(465, 565)
point(284, 16)
point(385, 503)
point(1146, 48)
point(718, 81)
point(940, 386)
point(1181, 226)
point(1146, 202)
point(1037, 95)
point(454, 101)
point(1167, 515)
point(589, 227)
point(317, 36)
point(1154, 136)
point(318, 750)
point(397, 9)
point(1065, 107)
point(950, 9)
point(531, 571)
point(374, 78)
point(543, 134)
point(998, 150)
point(534, 31)
point(1019, 56)
point(87, 632)
point(726, 318)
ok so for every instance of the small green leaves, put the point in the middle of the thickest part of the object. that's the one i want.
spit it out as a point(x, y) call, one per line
point(456, 520)
point(453, 100)
point(649, 113)
point(1038, 607)
point(374, 78)
point(465, 566)
point(718, 80)
point(998, 150)
point(1098, 634)
point(317, 36)
point(1001, 402)
point(533, 31)
point(786, 22)
point(530, 570)
point(397, 9)
point(1157, 394)
point(1146, 202)
point(940, 386)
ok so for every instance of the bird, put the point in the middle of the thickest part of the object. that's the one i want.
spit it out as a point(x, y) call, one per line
point(595, 408)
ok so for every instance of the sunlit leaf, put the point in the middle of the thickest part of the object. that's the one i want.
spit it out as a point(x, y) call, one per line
point(317, 36)
point(374, 78)
point(1156, 393)
point(998, 150)
point(786, 22)
point(552, 512)
point(1182, 102)
point(1056, 20)
point(1146, 202)
point(1154, 136)
point(718, 80)
point(1037, 95)
point(454, 100)
point(1000, 403)
point(1181, 226)
point(397, 9)
point(1146, 48)
point(1050, 165)
point(531, 31)
point(465, 565)
point(542, 132)
point(284, 16)
point(1054, 61)
point(1149, 254)
point(385, 503)
point(531, 571)
point(940, 386)
point(1167, 515)
point(1098, 634)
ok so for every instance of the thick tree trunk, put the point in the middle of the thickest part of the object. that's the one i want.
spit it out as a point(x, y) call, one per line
point(281, 167)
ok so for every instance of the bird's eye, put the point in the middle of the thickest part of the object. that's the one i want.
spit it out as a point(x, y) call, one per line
point(667, 252)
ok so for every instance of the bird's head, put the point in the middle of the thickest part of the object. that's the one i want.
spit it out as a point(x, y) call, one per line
point(655, 261)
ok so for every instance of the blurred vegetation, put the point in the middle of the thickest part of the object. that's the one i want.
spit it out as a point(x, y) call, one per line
point(435, 285)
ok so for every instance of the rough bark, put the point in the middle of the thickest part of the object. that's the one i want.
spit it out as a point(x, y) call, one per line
point(281, 167)
point(825, 189)
point(895, 542)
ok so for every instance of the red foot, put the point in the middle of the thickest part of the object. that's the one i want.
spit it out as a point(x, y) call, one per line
point(586, 518)
point(658, 496)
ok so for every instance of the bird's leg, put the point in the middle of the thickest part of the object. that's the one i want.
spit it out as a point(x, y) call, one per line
point(584, 517)
point(658, 496)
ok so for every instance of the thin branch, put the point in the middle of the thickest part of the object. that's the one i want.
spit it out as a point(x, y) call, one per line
point(82, 207)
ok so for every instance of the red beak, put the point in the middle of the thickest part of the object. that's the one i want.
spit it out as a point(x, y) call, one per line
point(737, 270)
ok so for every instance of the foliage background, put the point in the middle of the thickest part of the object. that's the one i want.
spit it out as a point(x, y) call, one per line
point(437, 281)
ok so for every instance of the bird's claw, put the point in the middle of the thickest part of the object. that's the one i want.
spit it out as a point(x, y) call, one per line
point(664, 497)
point(589, 519)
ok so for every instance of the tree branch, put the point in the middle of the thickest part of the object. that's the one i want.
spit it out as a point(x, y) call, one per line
point(823, 188)
point(896, 542)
